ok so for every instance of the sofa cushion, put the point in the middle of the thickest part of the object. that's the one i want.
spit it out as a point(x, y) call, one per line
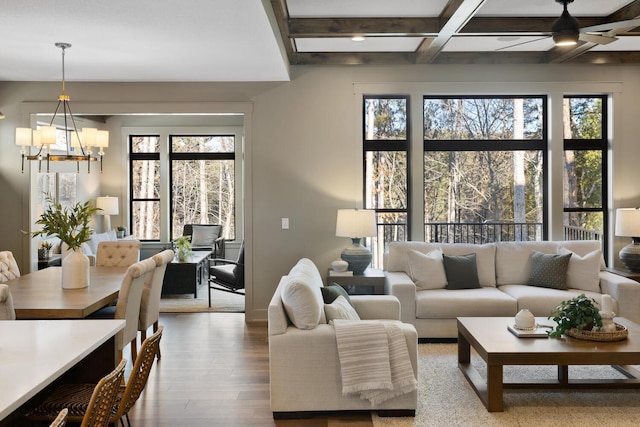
point(447, 304)
point(485, 259)
point(583, 271)
point(302, 302)
point(96, 238)
point(398, 259)
point(541, 301)
point(513, 262)
point(333, 291)
point(340, 308)
point(584, 247)
point(462, 271)
point(306, 271)
point(549, 270)
point(427, 270)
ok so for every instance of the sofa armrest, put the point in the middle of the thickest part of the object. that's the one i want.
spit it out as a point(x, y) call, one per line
point(371, 307)
point(625, 291)
point(400, 285)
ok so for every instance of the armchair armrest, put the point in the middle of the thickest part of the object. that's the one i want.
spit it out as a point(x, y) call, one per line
point(625, 291)
point(371, 307)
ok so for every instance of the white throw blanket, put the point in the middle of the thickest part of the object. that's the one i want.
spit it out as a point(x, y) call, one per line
point(374, 360)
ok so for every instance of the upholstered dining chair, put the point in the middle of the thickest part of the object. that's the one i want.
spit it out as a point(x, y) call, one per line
point(76, 396)
point(8, 267)
point(7, 311)
point(96, 407)
point(119, 253)
point(227, 275)
point(128, 305)
point(150, 305)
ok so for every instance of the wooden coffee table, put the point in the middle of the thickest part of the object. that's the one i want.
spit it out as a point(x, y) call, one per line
point(498, 347)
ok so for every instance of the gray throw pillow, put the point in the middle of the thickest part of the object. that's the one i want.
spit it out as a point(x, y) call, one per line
point(462, 271)
point(333, 291)
point(549, 270)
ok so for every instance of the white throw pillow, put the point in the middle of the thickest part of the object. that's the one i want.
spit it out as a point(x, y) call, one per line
point(97, 238)
point(583, 271)
point(301, 303)
point(203, 236)
point(340, 309)
point(427, 270)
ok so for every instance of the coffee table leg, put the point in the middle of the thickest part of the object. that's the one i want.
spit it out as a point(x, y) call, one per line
point(563, 374)
point(494, 388)
point(464, 350)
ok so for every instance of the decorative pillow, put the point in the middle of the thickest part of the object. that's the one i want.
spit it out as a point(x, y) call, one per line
point(203, 236)
point(549, 270)
point(333, 291)
point(427, 270)
point(97, 238)
point(583, 271)
point(301, 303)
point(340, 308)
point(462, 271)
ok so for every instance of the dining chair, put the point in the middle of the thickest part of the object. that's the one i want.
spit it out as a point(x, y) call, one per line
point(94, 406)
point(128, 305)
point(150, 304)
point(8, 266)
point(119, 253)
point(7, 311)
point(229, 276)
point(76, 396)
point(61, 419)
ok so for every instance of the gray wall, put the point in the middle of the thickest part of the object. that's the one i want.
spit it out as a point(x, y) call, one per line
point(303, 149)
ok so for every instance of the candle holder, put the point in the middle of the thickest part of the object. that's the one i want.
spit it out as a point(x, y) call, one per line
point(607, 321)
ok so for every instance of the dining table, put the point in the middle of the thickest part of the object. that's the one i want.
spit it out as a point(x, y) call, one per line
point(36, 354)
point(40, 295)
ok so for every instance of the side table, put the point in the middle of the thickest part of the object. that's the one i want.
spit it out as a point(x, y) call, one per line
point(371, 282)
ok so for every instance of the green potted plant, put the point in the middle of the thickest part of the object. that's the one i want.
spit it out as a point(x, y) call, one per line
point(71, 226)
point(580, 313)
point(43, 249)
point(183, 247)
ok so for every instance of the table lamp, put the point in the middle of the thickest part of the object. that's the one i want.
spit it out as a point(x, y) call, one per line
point(628, 225)
point(108, 206)
point(356, 224)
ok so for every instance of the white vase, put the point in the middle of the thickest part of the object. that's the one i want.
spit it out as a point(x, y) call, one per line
point(75, 270)
point(525, 319)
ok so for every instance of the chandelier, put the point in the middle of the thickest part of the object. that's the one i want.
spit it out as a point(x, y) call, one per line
point(79, 144)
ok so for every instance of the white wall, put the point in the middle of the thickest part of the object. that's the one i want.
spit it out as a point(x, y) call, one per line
point(303, 159)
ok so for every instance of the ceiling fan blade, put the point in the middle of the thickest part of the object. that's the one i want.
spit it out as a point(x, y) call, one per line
point(521, 43)
point(619, 25)
point(593, 38)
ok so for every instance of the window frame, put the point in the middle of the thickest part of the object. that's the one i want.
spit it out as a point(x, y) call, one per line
point(133, 157)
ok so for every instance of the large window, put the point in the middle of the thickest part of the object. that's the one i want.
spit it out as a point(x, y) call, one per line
point(386, 136)
point(585, 161)
point(202, 182)
point(484, 168)
point(145, 186)
point(180, 178)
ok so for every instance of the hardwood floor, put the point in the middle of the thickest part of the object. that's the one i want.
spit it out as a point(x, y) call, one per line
point(214, 371)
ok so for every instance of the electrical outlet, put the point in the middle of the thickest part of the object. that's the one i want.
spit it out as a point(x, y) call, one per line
point(285, 223)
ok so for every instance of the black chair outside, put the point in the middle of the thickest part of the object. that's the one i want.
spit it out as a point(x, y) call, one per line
point(206, 237)
point(227, 275)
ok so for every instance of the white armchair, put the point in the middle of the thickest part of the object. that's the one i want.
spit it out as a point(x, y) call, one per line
point(304, 366)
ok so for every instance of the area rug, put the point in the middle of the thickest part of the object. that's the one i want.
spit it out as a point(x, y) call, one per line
point(446, 399)
point(221, 301)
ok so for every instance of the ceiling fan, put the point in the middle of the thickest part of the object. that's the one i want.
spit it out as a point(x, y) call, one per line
point(566, 30)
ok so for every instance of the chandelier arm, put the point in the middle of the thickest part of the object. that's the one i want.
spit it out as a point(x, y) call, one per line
point(75, 128)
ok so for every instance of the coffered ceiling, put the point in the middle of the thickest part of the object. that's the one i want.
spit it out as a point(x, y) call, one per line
point(257, 40)
point(452, 31)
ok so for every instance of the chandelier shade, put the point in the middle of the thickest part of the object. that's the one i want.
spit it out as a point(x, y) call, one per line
point(79, 144)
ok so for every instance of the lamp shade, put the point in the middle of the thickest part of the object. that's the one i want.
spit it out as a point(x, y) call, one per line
point(108, 205)
point(356, 223)
point(628, 222)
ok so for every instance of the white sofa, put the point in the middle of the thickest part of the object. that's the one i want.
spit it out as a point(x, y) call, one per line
point(503, 271)
point(303, 362)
